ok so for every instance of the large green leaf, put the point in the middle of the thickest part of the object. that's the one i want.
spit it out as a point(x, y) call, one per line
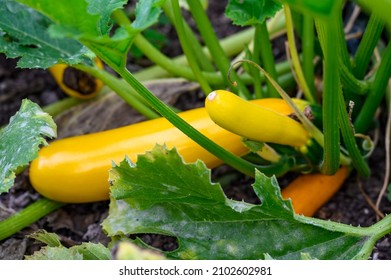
point(77, 17)
point(20, 140)
point(250, 12)
point(90, 23)
point(24, 34)
point(161, 194)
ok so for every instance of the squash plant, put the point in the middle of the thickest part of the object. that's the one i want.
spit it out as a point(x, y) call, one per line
point(158, 192)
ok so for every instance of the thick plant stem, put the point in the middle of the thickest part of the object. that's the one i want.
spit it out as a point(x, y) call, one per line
point(27, 216)
point(349, 139)
point(372, 233)
point(295, 56)
point(255, 56)
point(363, 57)
point(308, 52)
point(367, 45)
point(212, 42)
point(231, 45)
point(200, 52)
point(267, 58)
point(351, 83)
point(326, 30)
point(374, 98)
point(380, 8)
point(187, 48)
point(62, 105)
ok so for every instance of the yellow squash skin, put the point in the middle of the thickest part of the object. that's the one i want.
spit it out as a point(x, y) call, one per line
point(57, 71)
point(254, 121)
point(75, 170)
point(309, 192)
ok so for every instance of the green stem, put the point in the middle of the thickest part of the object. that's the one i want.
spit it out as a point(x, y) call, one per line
point(267, 57)
point(342, 48)
point(232, 45)
point(380, 8)
point(153, 53)
point(381, 228)
point(62, 105)
point(27, 216)
point(315, 8)
point(172, 66)
point(187, 48)
point(202, 57)
point(212, 42)
point(375, 232)
point(295, 56)
point(367, 45)
point(364, 119)
point(362, 59)
point(339, 35)
point(258, 90)
point(372, 233)
point(333, 226)
point(308, 44)
point(326, 30)
point(351, 83)
point(194, 134)
point(166, 67)
point(349, 139)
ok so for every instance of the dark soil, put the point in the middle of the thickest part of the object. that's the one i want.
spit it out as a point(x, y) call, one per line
point(79, 223)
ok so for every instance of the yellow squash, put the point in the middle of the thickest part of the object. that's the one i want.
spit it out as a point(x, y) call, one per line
point(254, 121)
point(309, 192)
point(75, 170)
point(76, 83)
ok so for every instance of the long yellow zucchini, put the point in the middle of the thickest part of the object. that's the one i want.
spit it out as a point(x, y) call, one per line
point(75, 170)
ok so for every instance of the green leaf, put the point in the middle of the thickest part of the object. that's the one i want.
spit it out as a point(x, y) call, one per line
point(164, 184)
point(55, 253)
point(104, 9)
point(147, 13)
point(79, 18)
point(23, 33)
point(93, 251)
point(55, 250)
point(84, 251)
point(88, 22)
point(163, 195)
point(20, 140)
point(251, 12)
point(50, 239)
